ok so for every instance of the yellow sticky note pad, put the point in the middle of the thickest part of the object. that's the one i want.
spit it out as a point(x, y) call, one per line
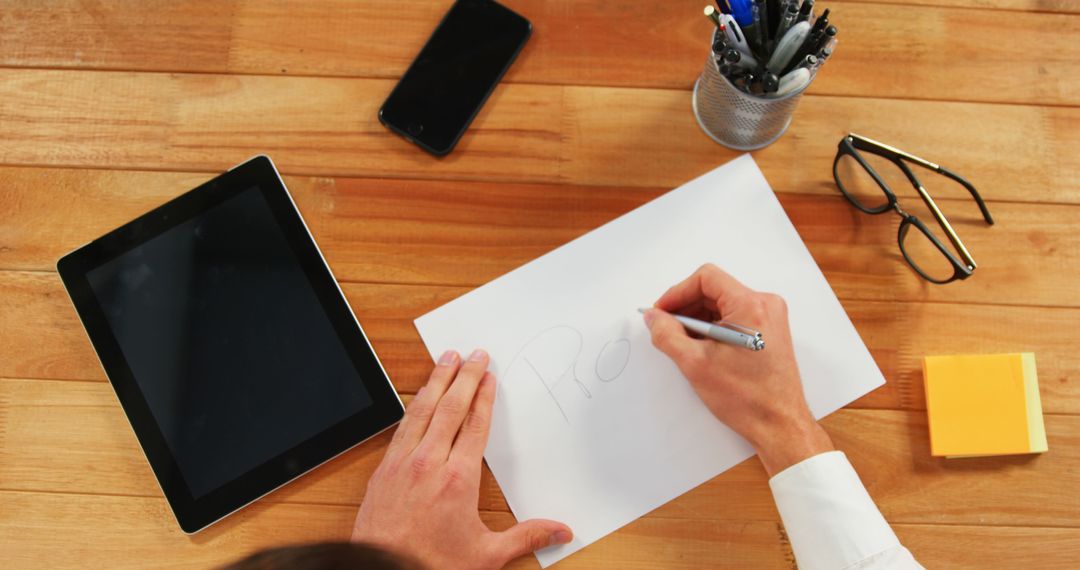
point(983, 405)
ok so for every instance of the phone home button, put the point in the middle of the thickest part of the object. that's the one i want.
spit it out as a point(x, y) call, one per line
point(415, 128)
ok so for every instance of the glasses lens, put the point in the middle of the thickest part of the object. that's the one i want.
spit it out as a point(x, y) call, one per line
point(921, 252)
point(859, 184)
point(955, 204)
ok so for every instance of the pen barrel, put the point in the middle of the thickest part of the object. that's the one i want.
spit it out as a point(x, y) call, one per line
point(737, 119)
point(734, 338)
point(727, 333)
point(787, 19)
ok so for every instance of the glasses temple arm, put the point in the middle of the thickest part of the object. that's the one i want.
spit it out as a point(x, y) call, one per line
point(971, 189)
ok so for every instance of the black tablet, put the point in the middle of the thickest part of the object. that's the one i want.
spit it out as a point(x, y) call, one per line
point(229, 343)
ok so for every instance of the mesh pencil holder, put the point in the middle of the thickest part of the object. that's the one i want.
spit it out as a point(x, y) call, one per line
point(737, 119)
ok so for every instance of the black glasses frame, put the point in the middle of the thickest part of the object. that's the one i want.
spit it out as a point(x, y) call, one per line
point(852, 144)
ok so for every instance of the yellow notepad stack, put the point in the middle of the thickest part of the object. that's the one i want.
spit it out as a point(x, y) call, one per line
point(983, 405)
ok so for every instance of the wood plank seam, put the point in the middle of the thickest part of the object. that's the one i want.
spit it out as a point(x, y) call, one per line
point(913, 405)
point(987, 6)
point(842, 296)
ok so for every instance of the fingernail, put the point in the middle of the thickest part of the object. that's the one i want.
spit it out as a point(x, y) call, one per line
point(561, 537)
point(477, 355)
point(650, 315)
point(448, 357)
point(420, 391)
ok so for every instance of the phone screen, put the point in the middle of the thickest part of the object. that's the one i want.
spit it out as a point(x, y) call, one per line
point(454, 73)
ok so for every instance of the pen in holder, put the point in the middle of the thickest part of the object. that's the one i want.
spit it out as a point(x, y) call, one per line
point(744, 99)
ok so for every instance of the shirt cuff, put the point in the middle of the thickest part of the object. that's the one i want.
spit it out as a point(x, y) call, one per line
point(830, 519)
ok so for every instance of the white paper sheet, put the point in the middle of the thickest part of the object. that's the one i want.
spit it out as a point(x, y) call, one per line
point(592, 425)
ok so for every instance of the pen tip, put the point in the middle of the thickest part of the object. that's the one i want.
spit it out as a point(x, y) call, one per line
point(642, 310)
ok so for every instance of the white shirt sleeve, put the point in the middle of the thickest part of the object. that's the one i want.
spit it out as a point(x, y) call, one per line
point(831, 521)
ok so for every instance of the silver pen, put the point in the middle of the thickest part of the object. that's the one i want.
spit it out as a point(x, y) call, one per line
point(729, 333)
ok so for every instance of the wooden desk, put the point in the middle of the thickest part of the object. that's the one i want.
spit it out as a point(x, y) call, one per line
point(110, 108)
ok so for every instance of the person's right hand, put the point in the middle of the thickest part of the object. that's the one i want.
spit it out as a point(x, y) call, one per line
point(757, 394)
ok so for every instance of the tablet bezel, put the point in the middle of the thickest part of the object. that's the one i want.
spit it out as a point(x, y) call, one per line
point(386, 409)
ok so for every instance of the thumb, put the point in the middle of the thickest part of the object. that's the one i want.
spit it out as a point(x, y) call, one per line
point(670, 337)
point(530, 536)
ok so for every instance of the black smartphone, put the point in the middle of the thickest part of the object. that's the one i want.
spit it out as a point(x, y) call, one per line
point(455, 72)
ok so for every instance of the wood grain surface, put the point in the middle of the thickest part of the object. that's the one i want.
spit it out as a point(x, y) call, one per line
point(109, 108)
point(557, 134)
point(646, 46)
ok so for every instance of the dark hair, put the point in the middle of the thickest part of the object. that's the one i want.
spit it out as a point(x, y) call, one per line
point(325, 556)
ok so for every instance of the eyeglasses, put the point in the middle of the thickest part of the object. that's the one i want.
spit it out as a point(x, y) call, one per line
point(862, 180)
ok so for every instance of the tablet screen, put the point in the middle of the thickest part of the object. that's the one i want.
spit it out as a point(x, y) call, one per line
point(233, 352)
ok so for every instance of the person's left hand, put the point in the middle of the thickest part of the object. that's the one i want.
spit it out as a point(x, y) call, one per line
point(422, 499)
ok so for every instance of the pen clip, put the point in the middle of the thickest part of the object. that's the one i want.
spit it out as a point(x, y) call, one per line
point(739, 328)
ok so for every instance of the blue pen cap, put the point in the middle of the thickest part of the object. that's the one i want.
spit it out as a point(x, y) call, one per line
point(742, 11)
